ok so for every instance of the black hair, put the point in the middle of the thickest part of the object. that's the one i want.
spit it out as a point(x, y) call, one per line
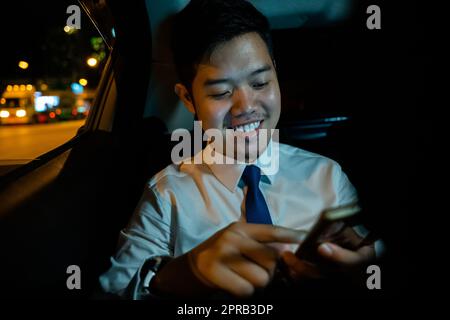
point(204, 24)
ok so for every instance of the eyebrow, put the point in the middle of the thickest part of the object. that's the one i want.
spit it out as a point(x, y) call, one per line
point(211, 82)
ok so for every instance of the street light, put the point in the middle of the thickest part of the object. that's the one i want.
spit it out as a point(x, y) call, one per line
point(69, 30)
point(83, 82)
point(92, 62)
point(23, 65)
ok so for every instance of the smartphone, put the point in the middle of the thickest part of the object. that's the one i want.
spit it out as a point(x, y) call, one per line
point(333, 225)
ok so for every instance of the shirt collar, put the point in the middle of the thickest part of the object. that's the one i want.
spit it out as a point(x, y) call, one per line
point(268, 162)
point(229, 174)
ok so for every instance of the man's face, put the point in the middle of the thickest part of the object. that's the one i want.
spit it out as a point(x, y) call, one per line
point(237, 88)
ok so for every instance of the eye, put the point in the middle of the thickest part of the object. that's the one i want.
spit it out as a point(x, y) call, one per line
point(219, 95)
point(260, 85)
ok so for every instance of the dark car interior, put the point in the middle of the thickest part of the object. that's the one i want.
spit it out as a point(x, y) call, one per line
point(348, 94)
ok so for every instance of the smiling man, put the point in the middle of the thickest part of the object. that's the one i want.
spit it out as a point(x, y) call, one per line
point(206, 228)
point(235, 89)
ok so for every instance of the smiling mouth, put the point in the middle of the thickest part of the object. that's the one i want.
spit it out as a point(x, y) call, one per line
point(248, 127)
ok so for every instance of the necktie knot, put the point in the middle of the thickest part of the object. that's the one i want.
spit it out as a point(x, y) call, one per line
point(251, 176)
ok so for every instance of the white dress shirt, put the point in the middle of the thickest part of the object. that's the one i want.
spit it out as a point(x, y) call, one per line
point(183, 205)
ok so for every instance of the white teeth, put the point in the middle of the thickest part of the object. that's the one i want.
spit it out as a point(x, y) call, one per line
point(248, 127)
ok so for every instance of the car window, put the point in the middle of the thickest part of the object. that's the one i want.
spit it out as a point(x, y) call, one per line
point(52, 59)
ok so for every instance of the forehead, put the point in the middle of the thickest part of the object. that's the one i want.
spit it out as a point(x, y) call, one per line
point(235, 58)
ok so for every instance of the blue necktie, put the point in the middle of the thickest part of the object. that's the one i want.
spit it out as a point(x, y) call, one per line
point(255, 204)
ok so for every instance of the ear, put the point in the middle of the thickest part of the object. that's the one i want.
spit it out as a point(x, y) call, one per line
point(185, 97)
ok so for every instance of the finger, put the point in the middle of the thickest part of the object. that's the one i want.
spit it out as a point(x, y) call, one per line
point(281, 247)
point(368, 252)
point(300, 269)
point(262, 254)
point(228, 280)
point(269, 233)
point(341, 256)
point(258, 276)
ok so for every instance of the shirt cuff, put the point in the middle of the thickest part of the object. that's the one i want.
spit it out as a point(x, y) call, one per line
point(140, 287)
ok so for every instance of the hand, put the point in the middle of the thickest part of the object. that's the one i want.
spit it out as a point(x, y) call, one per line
point(240, 257)
point(335, 260)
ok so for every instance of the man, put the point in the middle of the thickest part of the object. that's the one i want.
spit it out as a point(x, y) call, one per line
point(209, 227)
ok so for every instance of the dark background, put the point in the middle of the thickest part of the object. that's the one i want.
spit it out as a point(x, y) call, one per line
point(376, 77)
point(33, 31)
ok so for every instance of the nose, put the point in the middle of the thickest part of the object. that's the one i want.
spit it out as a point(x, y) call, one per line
point(243, 103)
